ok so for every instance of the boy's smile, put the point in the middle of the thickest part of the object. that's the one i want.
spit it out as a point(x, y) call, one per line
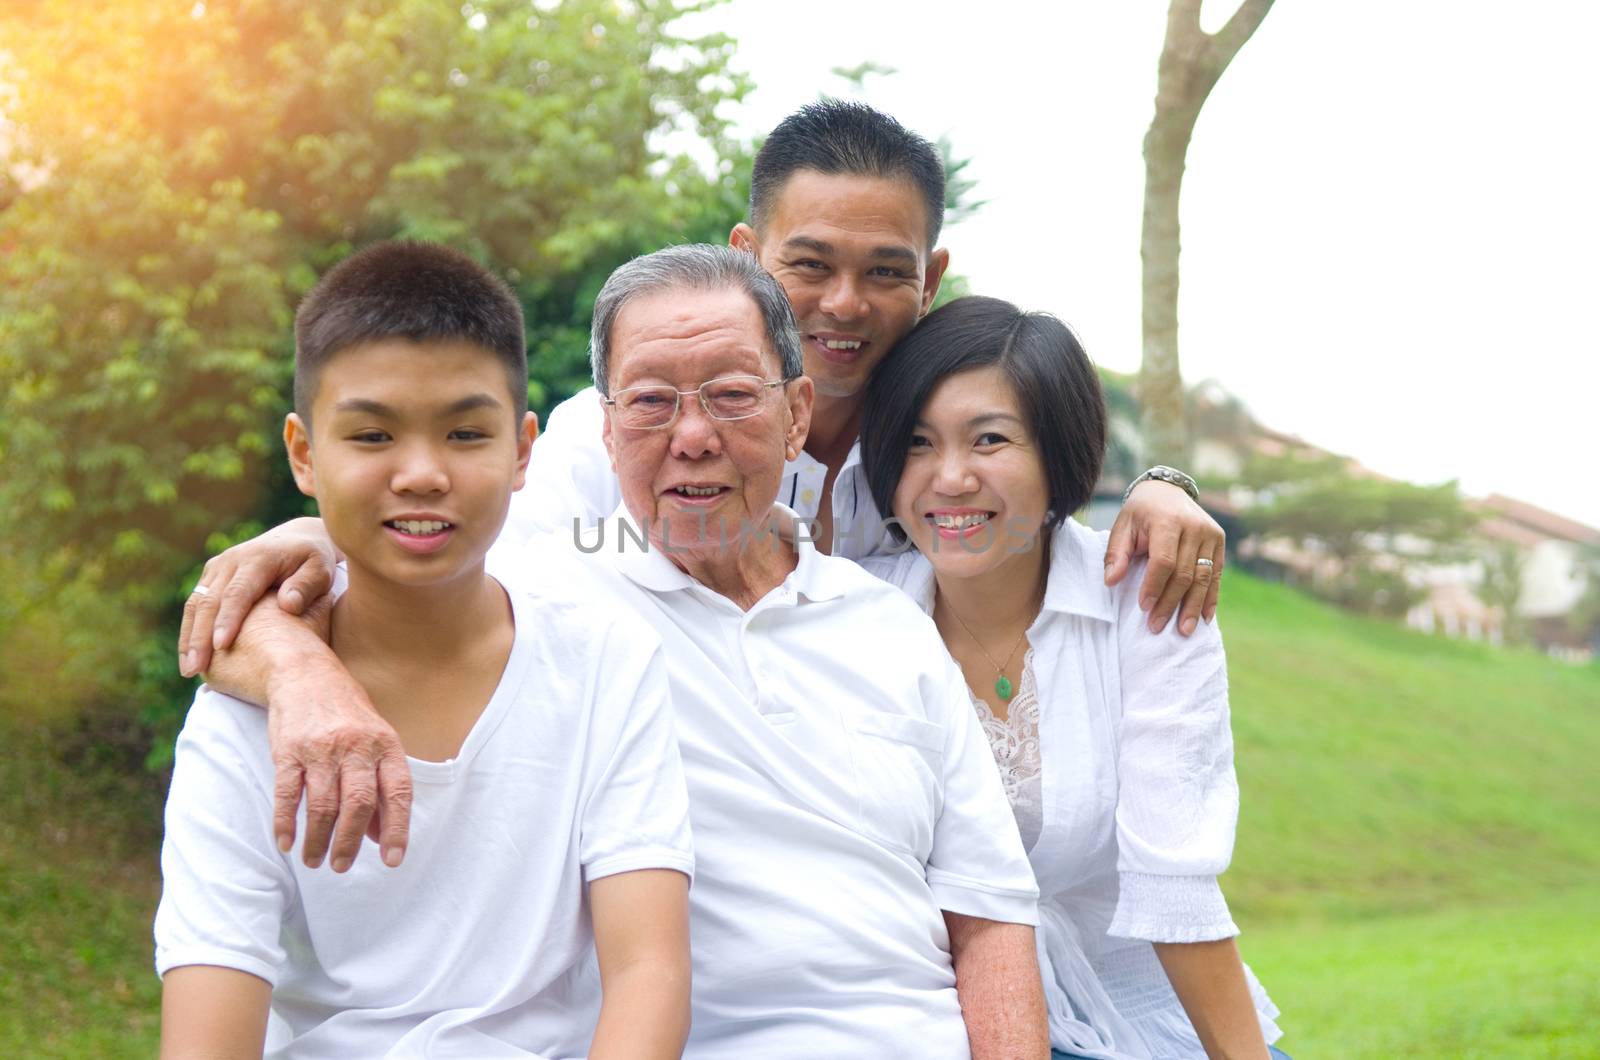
point(420, 532)
point(412, 454)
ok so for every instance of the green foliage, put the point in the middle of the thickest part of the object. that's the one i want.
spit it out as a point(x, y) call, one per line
point(1500, 585)
point(959, 205)
point(951, 287)
point(1124, 439)
point(60, 645)
point(1373, 530)
point(703, 210)
point(856, 76)
point(179, 174)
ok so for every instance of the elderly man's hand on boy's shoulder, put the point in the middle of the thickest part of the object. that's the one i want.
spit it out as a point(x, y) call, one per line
point(297, 557)
point(330, 742)
point(1186, 549)
point(327, 739)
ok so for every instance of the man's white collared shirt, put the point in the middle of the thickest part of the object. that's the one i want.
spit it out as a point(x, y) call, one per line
point(841, 795)
point(570, 477)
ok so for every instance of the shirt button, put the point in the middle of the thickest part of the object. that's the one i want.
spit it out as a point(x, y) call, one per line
point(808, 496)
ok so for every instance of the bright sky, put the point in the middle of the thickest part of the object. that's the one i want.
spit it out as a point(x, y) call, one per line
point(1391, 240)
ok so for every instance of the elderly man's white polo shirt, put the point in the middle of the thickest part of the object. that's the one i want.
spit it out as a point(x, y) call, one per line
point(841, 795)
point(570, 477)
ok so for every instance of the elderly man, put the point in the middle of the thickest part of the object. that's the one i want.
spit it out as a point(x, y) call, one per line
point(861, 888)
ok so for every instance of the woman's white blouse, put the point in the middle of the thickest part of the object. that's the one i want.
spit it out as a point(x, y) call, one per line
point(1014, 741)
point(1139, 801)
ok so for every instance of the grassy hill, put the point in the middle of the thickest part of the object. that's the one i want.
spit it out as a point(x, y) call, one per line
point(1420, 836)
point(1415, 873)
point(1386, 771)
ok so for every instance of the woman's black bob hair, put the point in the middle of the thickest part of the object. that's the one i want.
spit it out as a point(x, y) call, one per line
point(1057, 389)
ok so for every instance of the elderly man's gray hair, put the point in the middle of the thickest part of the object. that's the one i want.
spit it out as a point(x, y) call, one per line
point(694, 267)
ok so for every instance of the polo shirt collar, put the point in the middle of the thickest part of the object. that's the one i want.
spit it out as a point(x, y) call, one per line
point(646, 566)
point(815, 576)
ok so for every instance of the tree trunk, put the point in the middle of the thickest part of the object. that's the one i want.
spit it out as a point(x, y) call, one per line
point(1191, 63)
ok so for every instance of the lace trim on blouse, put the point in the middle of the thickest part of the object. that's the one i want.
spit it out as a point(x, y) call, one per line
point(1015, 743)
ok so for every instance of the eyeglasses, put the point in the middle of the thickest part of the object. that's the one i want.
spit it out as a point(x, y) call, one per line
point(732, 397)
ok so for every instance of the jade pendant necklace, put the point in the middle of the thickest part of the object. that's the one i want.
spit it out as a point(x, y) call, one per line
point(1002, 684)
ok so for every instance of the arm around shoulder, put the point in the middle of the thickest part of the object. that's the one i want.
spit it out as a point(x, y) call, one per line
point(327, 738)
point(1185, 547)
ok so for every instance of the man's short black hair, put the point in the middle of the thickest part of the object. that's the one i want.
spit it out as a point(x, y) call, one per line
point(417, 291)
point(837, 137)
point(1057, 390)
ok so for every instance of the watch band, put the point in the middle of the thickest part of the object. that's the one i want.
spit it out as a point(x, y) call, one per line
point(1170, 475)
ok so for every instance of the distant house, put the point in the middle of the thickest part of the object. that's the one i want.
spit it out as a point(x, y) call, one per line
point(1554, 574)
point(1552, 547)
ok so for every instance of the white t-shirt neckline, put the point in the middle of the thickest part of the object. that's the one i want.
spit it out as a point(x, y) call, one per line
point(506, 691)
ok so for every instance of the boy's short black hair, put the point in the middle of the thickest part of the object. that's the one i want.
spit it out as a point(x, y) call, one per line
point(837, 137)
point(417, 291)
point(1057, 390)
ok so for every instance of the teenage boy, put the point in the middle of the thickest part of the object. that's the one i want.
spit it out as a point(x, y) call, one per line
point(549, 815)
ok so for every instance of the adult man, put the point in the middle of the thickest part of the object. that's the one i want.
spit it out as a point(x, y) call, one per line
point(846, 210)
point(861, 889)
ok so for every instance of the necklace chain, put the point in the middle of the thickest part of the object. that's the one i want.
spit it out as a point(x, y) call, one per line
point(1002, 685)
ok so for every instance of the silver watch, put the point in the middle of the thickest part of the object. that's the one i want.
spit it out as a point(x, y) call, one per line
point(1170, 475)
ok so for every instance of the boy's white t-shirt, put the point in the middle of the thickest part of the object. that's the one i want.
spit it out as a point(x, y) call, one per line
point(479, 944)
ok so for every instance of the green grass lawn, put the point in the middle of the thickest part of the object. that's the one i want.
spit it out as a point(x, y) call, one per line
point(1418, 864)
point(1384, 771)
point(1416, 869)
point(1520, 979)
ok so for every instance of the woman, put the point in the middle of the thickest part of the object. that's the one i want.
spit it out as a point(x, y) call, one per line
point(983, 430)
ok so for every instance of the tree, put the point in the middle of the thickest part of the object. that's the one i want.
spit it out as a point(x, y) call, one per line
point(1373, 530)
point(1192, 61)
point(1124, 441)
point(145, 301)
point(1500, 586)
point(196, 166)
